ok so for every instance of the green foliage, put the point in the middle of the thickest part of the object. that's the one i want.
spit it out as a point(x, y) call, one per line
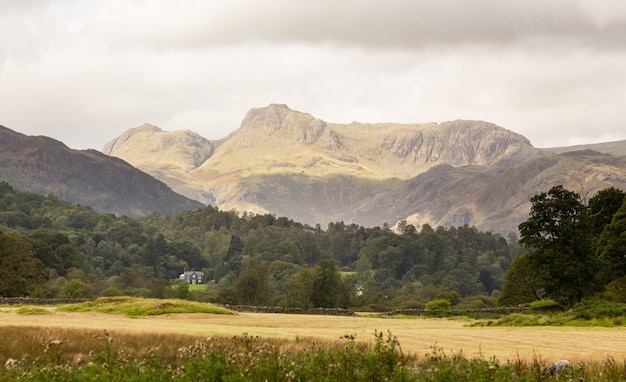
point(597, 309)
point(328, 290)
point(439, 307)
point(252, 286)
point(611, 244)
point(32, 310)
point(300, 289)
point(452, 297)
point(112, 292)
point(182, 291)
point(603, 206)
point(20, 271)
point(587, 313)
point(476, 303)
point(523, 283)
point(615, 291)
point(76, 289)
point(543, 304)
point(559, 233)
point(134, 307)
point(143, 257)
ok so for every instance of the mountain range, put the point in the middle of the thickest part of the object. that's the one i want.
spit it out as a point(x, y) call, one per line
point(292, 164)
point(88, 177)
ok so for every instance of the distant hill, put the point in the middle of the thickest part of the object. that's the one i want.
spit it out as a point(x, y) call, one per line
point(292, 164)
point(43, 165)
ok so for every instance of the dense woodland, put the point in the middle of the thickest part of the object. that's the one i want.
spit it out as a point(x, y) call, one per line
point(570, 249)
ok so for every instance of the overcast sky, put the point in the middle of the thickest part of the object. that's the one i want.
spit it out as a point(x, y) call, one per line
point(84, 71)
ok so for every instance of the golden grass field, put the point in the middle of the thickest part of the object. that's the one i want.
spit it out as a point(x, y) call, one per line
point(417, 336)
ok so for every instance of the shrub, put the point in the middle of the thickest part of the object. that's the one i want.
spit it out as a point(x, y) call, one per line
point(477, 302)
point(439, 307)
point(112, 291)
point(452, 296)
point(597, 309)
point(76, 289)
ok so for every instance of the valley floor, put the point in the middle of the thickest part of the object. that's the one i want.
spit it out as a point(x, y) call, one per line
point(418, 336)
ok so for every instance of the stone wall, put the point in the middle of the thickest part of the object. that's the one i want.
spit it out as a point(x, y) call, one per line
point(459, 312)
point(40, 301)
point(277, 309)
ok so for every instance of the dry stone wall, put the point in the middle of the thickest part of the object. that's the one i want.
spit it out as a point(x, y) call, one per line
point(40, 301)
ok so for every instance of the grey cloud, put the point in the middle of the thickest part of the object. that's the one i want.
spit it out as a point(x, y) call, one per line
point(80, 69)
point(374, 24)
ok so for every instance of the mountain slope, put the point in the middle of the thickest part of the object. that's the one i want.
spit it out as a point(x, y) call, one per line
point(43, 165)
point(494, 199)
point(292, 164)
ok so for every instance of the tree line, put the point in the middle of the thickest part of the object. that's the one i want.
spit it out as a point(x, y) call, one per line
point(51, 248)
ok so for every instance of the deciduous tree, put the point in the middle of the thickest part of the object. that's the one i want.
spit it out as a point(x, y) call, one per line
point(20, 271)
point(328, 288)
point(559, 233)
point(611, 246)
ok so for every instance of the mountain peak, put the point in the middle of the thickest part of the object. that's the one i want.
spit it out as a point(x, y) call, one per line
point(147, 127)
point(279, 106)
point(271, 118)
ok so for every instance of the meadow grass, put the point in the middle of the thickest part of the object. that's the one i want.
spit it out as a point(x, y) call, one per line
point(53, 354)
point(137, 307)
point(587, 314)
point(416, 334)
point(197, 287)
point(32, 310)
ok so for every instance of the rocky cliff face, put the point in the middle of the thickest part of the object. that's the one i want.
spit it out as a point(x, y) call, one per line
point(292, 164)
point(44, 165)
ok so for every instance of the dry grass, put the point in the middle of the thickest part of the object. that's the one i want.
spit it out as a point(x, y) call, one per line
point(416, 336)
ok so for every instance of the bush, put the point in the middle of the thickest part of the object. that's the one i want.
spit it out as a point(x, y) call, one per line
point(477, 302)
point(615, 291)
point(599, 309)
point(76, 289)
point(439, 307)
point(452, 296)
point(112, 291)
point(412, 304)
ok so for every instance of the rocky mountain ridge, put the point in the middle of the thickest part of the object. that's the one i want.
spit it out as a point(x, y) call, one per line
point(292, 164)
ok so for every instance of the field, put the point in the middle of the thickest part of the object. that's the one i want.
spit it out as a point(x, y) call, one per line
point(416, 335)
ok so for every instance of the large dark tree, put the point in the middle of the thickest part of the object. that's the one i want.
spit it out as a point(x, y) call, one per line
point(559, 233)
